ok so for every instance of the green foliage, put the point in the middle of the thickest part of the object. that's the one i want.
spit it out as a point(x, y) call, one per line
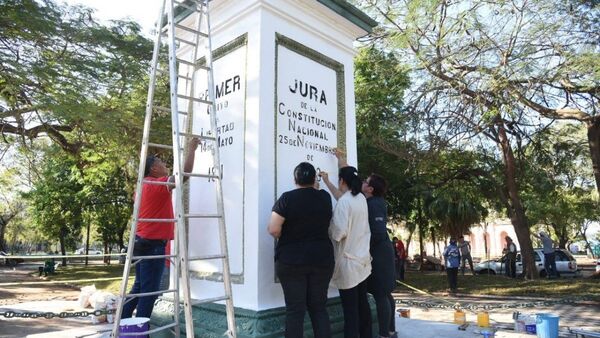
point(65, 74)
point(56, 199)
point(380, 81)
point(84, 85)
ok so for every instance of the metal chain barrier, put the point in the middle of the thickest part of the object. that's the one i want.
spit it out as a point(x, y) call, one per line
point(51, 315)
point(473, 307)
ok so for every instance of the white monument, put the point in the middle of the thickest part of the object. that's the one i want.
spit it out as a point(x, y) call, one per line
point(284, 94)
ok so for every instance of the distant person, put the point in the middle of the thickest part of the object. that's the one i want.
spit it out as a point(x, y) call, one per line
point(382, 280)
point(549, 254)
point(465, 255)
point(511, 258)
point(304, 253)
point(452, 258)
point(401, 258)
point(351, 235)
point(151, 237)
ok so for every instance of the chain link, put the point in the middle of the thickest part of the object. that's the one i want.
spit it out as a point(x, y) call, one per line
point(50, 315)
point(457, 306)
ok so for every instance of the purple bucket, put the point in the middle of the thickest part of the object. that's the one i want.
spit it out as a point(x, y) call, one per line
point(134, 325)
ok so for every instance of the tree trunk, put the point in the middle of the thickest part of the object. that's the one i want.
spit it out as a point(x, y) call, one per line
point(421, 234)
point(2, 232)
point(593, 134)
point(62, 240)
point(433, 240)
point(410, 234)
point(4, 220)
point(87, 243)
point(515, 207)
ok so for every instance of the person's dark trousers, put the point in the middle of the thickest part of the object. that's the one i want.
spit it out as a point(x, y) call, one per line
point(392, 302)
point(383, 305)
point(148, 274)
point(464, 259)
point(511, 267)
point(305, 288)
point(452, 277)
point(400, 268)
point(550, 265)
point(357, 314)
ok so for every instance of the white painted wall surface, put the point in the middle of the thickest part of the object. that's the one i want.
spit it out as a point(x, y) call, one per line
point(320, 29)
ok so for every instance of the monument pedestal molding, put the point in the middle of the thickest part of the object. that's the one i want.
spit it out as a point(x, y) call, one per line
point(284, 94)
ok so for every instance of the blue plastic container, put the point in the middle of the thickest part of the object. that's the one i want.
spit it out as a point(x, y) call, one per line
point(547, 325)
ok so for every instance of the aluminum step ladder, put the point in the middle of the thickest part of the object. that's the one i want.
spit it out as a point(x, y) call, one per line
point(195, 43)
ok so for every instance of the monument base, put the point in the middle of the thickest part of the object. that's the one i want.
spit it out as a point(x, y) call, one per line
point(210, 320)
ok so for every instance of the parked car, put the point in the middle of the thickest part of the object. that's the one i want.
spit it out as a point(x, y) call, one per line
point(81, 251)
point(9, 261)
point(565, 264)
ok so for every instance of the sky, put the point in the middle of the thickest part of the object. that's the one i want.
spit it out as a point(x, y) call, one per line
point(144, 12)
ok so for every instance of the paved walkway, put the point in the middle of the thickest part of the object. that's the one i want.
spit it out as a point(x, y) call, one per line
point(584, 314)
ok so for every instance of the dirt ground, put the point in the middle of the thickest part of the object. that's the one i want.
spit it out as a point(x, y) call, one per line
point(27, 293)
point(12, 295)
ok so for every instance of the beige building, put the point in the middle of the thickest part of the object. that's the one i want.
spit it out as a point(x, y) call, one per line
point(487, 240)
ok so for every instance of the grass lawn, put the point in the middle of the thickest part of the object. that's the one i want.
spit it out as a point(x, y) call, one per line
point(72, 275)
point(503, 286)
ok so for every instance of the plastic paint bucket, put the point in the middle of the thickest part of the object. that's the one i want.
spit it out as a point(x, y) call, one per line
point(483, 319)
point(530, 328)
point(134, 325)
point(547, 325)
point(459, 317)
point(405, 313)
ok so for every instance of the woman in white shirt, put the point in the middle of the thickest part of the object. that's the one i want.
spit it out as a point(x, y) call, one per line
point(349, 231)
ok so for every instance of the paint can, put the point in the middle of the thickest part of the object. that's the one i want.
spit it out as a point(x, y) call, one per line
point(483, 319)
point(134, 325)
point(460, 317)
point(405, 313)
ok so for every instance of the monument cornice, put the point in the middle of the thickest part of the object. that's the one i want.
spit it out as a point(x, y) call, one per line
point(341, 7)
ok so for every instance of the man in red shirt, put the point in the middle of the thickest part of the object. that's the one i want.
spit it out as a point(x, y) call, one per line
point(401, 255)
point(152, 237)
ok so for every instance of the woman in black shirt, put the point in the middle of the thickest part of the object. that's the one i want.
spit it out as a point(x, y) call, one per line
point(382, 281)
point(304, 253)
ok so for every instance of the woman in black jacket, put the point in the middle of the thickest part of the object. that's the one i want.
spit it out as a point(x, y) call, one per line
point(382, 281)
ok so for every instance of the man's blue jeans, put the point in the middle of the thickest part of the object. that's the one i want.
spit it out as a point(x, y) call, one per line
point(148, 273)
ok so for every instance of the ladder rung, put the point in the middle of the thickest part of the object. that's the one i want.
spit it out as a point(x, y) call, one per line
point(157, 220)
point(171, 184)
point(207, 257)
point(187, 42)
point(187, 78)
point(152, 257)
point(168, 110)
point(160, 328)
point(193, 99)
point(190, 30)
point(202, 137)
point(144, 294)
point(209, 300)
point(206, 68)
point(192, 64)
point(202, 215)
point(201, 175)
point(187, 29)
point(158, 145)
point(186, 62)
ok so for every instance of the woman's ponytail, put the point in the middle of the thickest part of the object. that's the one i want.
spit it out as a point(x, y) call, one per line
point(350, 176)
